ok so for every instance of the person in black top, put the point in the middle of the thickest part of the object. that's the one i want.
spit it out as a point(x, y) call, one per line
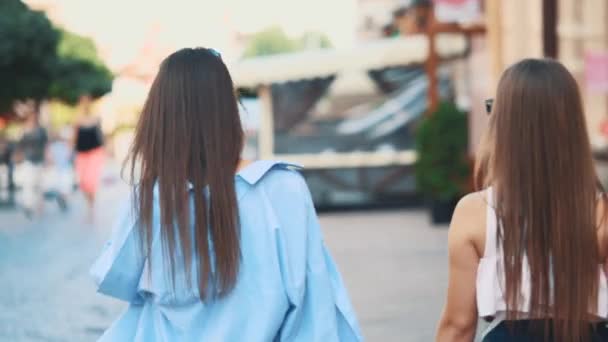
point(90, 154)
point(88, 138)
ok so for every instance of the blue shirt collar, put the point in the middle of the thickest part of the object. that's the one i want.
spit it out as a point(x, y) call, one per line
point(255, 171)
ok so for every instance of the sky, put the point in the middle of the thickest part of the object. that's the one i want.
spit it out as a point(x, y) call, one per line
point(120, 27)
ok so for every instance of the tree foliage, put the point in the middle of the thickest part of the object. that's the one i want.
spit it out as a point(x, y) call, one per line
point(274, 41)
point(28, 54)
point(39, 61)
point(77, 46)
point(271, 41)
point(442, 169)
point(79, 70)
point(314, 40)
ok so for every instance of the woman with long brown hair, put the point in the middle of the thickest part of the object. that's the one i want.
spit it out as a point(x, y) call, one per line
point(216, 248)
point(526, 252)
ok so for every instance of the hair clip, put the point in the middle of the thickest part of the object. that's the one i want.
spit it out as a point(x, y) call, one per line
point(215, 53)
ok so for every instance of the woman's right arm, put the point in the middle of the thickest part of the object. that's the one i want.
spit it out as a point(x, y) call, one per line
point(459, 319)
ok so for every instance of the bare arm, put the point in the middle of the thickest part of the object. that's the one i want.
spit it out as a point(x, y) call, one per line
point(459, 318)
point(74, 137)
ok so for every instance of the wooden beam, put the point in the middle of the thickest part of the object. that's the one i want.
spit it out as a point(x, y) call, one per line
point(494, 38)
point(266, 131)
point(433, 28)
point(550, 38)
point(349, 159)
point(432, 62)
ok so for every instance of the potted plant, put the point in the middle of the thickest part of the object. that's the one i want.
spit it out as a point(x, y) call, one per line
point(442, 169)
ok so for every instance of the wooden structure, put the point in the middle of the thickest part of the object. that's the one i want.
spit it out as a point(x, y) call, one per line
point(419, 18)
point(261, 72)
point(432, 29)
point(373, 172)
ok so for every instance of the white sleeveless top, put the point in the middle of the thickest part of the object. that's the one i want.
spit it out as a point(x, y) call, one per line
point(490, 282)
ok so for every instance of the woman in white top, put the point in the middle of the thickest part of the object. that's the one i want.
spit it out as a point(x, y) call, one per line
point(527, 252)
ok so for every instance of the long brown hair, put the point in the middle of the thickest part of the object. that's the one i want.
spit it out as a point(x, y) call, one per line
point(189, 137)
point(538, 160)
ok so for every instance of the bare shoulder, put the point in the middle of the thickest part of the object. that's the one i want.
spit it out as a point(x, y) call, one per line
point(469, 220)
point(472, 204)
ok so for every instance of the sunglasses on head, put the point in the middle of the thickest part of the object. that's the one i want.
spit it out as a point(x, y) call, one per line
point(489, 103)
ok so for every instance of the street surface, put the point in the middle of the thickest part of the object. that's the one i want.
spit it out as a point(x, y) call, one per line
point(393, 262)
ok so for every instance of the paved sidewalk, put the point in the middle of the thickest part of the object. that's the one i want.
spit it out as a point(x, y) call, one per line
point(395, 265)
point(393, 262)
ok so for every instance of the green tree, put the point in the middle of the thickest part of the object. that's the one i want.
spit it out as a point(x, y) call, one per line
point(271, 41)
point(38, 61)
point(79, 70)
point(274, 41)
point(28, 54)
point(314, 40)
point(77, 46)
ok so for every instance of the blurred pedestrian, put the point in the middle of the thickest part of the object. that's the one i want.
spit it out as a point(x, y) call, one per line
point(526, 252)
point(29, 171)
point(6, 170)
point(58, 173)
point(230, 250)
point(90, 154)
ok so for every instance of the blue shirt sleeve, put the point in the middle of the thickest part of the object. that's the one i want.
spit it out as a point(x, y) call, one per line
point(320, 307)
point(118, 269)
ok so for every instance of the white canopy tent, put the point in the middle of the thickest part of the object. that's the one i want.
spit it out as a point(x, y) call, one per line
point(264, 71)
point(252, 72)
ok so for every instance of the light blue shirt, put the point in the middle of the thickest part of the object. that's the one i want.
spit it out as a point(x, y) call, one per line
point(288, 289)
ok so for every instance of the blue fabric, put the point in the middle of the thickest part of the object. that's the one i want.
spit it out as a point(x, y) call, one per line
point(61, 155)
point(289, 288)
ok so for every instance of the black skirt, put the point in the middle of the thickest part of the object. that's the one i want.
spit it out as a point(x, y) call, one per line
point(532, 331)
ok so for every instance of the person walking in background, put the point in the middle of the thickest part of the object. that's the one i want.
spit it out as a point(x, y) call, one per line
point(212, 247)
point(31, 156)
point(90, 154)
point(59, 173)
point(527, 252)
point(6, 170)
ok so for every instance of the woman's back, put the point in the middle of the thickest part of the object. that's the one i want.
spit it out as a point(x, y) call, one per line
point(476, 225)
point(288, 287)
point(478, 209)
point(532, 246)
point(206, 255)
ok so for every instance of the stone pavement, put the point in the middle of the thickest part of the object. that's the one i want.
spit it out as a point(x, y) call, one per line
point(45, 291)
point(395, 266)
point(393, 262)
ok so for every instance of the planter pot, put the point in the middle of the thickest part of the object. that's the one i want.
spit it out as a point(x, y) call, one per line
point(442, 210)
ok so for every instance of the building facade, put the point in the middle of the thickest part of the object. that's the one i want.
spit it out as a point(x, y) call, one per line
point(517, 29)
point(373, 16)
